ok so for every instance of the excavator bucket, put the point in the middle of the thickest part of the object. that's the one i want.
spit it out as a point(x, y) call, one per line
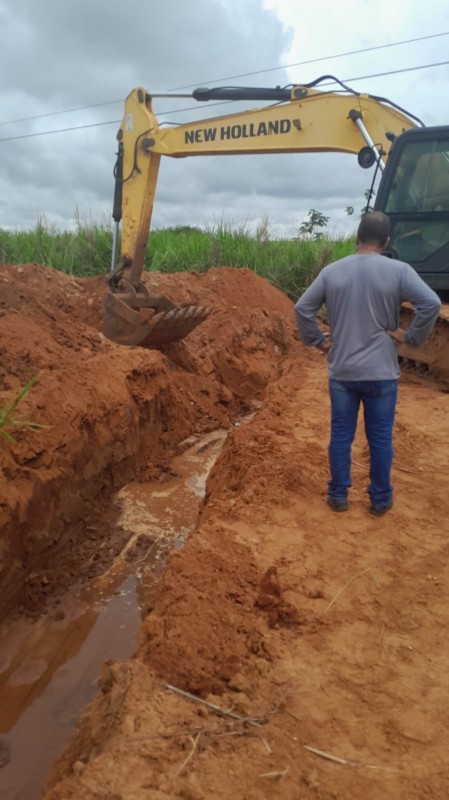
point(149, 327)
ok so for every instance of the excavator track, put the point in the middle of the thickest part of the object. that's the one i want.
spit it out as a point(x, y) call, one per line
point(434, 353)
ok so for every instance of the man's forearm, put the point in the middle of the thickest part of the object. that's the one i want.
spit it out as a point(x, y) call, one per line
point(308, 329)
point(426, 304)
point(306, 309)
point(422, 323)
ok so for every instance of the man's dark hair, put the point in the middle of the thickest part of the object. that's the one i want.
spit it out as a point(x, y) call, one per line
point(374, 228)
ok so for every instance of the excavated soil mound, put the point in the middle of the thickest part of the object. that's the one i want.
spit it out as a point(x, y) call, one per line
point(112, 413)
point(317, 640)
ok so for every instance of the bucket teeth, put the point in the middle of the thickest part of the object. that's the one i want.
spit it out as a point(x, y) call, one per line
point(173, 325)
point(128, 326)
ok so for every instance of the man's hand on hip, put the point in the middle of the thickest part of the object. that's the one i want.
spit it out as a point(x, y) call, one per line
point(324, 347)
point(398, 336)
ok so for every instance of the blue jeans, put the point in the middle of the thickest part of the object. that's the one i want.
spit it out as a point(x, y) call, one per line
point(379, 403)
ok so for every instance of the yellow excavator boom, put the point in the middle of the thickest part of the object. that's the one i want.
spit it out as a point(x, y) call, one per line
point(302, 119)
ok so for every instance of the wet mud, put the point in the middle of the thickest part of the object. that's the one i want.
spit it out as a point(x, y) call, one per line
point(49, 667)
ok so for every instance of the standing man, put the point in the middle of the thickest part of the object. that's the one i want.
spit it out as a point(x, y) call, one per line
point(363, 294)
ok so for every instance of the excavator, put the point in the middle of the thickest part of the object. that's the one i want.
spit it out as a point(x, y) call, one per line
point(411, 159)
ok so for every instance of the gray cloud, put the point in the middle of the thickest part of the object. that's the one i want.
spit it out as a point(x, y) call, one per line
point(94, 50)
point(59, 54)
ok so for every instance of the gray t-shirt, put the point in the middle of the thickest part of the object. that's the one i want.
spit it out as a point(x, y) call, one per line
point(363, 294)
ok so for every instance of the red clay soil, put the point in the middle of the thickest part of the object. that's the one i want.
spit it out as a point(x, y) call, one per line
point(322, 637)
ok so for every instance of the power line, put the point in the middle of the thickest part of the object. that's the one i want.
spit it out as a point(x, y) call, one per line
point(232, 77)
point(317, 60)
point(60, 130)
point(390, 72)
point(210, 105)
point(64, 111)
point(97, 124)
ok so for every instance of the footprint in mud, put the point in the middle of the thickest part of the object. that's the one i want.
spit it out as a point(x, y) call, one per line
point(4, 753)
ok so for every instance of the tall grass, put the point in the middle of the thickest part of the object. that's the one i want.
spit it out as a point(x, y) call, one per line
point(10, 420)
point(289, 264)
point(81, 252)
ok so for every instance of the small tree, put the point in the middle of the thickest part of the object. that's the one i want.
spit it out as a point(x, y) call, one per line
point(310, 226)
point(367, 207)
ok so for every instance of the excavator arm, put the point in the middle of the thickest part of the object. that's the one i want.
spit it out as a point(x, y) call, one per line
point(299, 119)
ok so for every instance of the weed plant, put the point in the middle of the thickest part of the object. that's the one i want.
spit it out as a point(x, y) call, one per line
point(10, 420)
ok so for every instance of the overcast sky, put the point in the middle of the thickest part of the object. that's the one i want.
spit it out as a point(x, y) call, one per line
point(59, 55)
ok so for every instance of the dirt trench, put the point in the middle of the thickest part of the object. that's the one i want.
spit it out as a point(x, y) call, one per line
point(318, 638)
point(111, 414)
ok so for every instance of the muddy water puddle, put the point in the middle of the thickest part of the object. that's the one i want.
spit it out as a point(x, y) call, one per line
point(49, 667)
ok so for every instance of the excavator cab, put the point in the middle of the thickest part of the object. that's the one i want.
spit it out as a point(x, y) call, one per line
point(414, 192)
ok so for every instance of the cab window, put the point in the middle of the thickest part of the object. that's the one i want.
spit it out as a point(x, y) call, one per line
point(422, 179)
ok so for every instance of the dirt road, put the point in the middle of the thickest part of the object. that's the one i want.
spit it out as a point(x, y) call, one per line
point(320, 637)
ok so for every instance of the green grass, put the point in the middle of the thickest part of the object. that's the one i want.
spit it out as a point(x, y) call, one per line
point(289, 264)
point(10, 420)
